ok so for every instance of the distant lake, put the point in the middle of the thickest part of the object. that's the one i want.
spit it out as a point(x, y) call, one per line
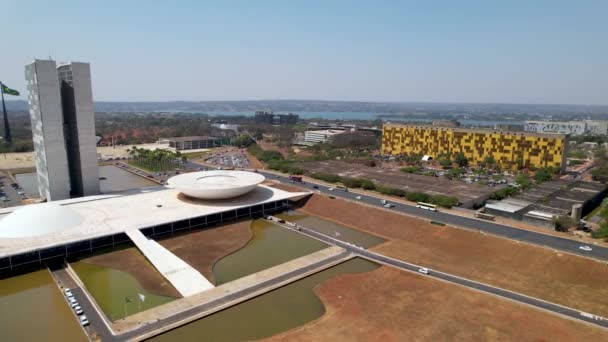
point(362, 116)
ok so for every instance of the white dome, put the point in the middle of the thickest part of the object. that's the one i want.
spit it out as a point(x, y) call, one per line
point(219, 184)
point(38, 219)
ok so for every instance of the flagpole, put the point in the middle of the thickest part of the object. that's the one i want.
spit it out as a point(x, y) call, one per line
point(7, 129)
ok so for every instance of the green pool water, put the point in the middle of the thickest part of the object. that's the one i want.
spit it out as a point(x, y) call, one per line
point(282, 309)
point(109, 287)
point(270, 245)
point(32, 308)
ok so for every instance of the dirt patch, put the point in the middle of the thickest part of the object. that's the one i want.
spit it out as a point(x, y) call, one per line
point(283, 187)
point(202, 249)
point(254, 162)
point(561, 278)
point(466, 193)
point(132, 261)
point(407, 307)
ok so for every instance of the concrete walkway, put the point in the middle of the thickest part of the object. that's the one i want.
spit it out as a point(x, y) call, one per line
point(186, 280)
point(152, 322)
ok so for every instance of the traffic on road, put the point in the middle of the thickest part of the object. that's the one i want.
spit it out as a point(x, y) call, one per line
point(555, 242)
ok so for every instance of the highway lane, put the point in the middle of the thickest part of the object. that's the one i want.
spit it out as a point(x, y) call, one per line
point(557, 243)
point(518, 297)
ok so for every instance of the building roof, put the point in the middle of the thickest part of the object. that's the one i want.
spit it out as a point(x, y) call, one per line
point(217, 184)
point(191, 138)
point(42, 219)
point(327, 131)
point(104, 215)
point(509, 207)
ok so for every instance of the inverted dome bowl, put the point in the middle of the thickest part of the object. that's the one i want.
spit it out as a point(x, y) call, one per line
point(220, 184)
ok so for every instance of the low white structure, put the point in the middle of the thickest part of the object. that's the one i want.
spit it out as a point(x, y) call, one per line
point(322, 136)
point(219, 184)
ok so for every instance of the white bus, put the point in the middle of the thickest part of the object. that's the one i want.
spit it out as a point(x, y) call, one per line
point(426, 206)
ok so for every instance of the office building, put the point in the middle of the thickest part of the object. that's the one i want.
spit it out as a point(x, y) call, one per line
point(63, 129)
point(190, 143)
point(510, 150)
point(321, 136)
point(268, 117)
point(446, 123)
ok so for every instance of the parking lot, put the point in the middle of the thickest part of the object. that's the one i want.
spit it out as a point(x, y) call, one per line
point(230, 159)
point(11, 194)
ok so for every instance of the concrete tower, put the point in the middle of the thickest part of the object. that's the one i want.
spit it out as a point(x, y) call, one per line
point(79, 125)
point(63, 129)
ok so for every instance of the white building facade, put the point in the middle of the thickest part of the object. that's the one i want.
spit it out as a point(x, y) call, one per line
point(322, 136)
point(63, 129)
point(568, 127)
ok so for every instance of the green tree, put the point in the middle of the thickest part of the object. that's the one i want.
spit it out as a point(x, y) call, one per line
point(455, 172)
point(543, 174)
point(446, 163)
point(367, 184)
point(490, 161)
point(523, 180)
point(461, 159)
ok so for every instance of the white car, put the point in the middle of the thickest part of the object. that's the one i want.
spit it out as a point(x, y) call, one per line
point(78, 310)
point(423, 270)
point(585, 248)
point(84, 321)
point(69, 294)
point(358, 197)
point(331, 189)
point(388, 205)
point(74, 304)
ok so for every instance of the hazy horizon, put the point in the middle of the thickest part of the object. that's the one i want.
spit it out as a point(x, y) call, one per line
point(468, 52)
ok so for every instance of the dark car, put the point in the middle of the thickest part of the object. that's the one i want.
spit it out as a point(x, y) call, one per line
point(315, 186)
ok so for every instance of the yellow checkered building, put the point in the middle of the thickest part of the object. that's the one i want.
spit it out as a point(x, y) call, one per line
point(511, 150)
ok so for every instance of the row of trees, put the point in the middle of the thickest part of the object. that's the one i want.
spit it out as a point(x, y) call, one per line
point(366, 184)
point(155, 160)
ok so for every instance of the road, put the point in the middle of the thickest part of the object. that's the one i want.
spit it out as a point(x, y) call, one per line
point(96, 326)
point(554, 242)
point(379, 258)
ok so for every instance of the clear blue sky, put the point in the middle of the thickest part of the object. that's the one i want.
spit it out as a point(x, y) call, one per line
point(528, 51)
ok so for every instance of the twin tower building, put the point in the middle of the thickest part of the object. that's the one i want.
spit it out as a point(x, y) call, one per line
point(63, 129)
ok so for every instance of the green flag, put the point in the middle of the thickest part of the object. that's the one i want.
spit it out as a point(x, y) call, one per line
point(9, 91)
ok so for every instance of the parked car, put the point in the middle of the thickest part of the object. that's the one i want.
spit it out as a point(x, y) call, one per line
point(78, 310)
point(84, 321)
